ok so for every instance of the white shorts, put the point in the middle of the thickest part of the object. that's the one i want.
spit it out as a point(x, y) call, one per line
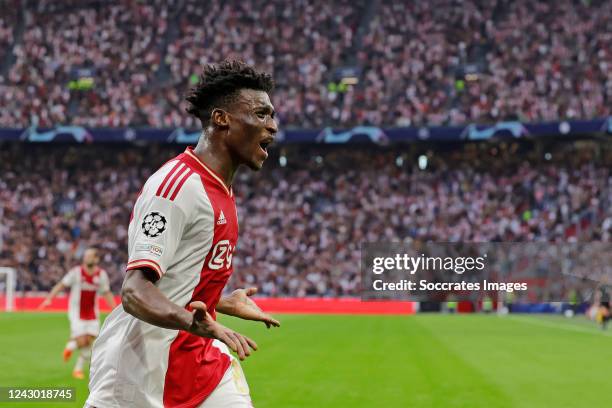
point(232, 391)
point(80, 327)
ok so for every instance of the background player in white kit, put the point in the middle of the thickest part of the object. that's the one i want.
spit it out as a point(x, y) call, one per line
point(85, 282)
point(163, 346)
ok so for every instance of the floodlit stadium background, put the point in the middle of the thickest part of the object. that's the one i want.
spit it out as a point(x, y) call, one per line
point(438, 121)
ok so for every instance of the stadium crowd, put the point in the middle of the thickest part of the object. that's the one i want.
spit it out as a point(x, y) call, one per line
point(118, 44)
point(436, 62)
point(55, 200)
point(446, 62)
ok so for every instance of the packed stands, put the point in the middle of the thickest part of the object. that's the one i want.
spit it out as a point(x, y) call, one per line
point(129, 63)
point(302, 224)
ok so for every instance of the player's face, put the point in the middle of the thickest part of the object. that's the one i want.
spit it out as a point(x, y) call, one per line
point(90, 258)
point(252, 128)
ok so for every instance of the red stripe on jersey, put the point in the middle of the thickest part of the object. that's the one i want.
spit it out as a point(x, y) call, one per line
point(172, 182)
point(163, 184)
point(145, 263)
point(195, 369)
point(195, 365)
point(180, 184)
point(87, 299)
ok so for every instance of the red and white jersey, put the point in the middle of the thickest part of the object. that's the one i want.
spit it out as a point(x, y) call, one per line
point(184, 228)
point(84, 288)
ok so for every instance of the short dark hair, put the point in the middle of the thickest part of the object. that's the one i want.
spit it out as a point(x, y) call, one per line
point(219, 85)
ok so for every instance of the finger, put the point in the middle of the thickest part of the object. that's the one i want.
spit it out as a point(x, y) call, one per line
point(239, 347)
point(199, 310)
point(245, 344)
point(272, 321)
point(229, 342)
point(198, 305)
point(251, 343)
point(251, 291)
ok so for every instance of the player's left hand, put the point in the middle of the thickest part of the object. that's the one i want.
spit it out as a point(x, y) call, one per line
point(45, 303)
point(240, 304)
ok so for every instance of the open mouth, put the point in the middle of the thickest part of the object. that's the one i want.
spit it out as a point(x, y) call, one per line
point(265, 143)
point(264, 146)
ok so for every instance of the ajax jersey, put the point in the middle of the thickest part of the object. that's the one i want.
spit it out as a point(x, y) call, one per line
point(84, 288)
point(184, 228)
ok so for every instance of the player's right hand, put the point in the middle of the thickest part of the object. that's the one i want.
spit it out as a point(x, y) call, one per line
point(204, 325)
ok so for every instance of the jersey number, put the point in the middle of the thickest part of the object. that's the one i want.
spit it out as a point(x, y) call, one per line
point(221, 255)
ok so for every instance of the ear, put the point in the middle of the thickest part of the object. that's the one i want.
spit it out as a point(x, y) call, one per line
point(219, 118)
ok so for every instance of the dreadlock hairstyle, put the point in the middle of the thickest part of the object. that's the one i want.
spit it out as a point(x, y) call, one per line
point(219, 85)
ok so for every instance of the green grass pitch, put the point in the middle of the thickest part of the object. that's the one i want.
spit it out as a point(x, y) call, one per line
point(372, 361)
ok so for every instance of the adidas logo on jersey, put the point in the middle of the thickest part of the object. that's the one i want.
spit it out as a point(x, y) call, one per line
point(221, 220)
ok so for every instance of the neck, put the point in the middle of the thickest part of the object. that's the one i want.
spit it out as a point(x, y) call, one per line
point(217, 157)
point(88, 269)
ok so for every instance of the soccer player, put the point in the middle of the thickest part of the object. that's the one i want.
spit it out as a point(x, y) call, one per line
point(85, 282)
point(163, 346)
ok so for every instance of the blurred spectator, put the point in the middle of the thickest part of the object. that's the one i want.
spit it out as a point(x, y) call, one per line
point(436, 62)
point(302, 225)
point(533, 60)
point(118, 44)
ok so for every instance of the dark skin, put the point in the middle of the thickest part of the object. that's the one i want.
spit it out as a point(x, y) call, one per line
point(236, 135)
point(233, 136)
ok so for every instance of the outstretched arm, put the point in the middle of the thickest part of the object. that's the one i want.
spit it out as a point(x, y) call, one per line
point(110, 300)
point(240, 304)
point(56, 289)
point(143, 300)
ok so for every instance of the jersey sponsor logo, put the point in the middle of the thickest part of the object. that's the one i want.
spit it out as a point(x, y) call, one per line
point(155, 250)
point(89, 286)
point(221, 255)
point(154, 224)
point(221, 220)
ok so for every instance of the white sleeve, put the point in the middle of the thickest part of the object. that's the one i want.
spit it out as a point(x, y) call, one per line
point(69, 278)
point(156, 233)
point(104, 285)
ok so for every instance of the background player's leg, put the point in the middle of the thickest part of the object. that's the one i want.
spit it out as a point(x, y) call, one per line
point(84, 344)
point(70, 347)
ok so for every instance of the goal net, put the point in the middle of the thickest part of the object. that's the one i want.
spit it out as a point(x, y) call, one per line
point(7, 289)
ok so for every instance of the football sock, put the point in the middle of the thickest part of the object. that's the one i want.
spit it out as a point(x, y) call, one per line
point(71, 345)
point(84, 357)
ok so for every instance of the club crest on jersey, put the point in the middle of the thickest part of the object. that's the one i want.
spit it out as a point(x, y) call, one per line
point(154, 224)
point(221, 220)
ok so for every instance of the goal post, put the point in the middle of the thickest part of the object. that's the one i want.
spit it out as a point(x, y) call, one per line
point(8, 287)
